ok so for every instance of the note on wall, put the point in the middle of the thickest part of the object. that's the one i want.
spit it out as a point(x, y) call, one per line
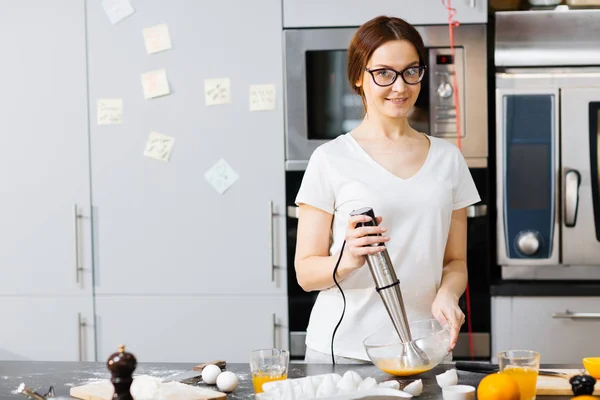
point(110, 111)
point(156, 38)
point(262, 97)
point(217, 91)
point(155, 84)
point(117, 10)
point(221, 176)
point(159, 146)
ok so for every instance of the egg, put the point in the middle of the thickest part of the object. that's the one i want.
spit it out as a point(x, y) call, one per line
point(210, 374)
point(448, 378)
point(227, 381)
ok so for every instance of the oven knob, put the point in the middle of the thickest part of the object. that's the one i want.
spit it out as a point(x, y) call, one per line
point(445, 90)
point(528, 242)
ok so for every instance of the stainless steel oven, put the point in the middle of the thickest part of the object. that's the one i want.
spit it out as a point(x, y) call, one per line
point(547, 145)
point(319, 103)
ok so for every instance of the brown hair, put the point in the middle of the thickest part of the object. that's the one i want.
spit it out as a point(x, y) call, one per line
point(373, 34)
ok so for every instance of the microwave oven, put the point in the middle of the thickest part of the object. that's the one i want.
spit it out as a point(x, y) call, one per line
point(320, 105)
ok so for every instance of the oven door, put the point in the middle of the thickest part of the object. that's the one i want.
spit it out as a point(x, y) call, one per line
point(580, 143)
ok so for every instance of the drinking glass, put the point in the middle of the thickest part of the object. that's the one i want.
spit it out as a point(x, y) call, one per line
point(523, 366)
point(268, 365)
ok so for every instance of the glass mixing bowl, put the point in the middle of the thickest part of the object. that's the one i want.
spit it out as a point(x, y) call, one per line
point(385, 348)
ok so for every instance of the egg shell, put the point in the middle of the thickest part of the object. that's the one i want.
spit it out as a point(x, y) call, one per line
point(210, 374)
point(448, 378)
point(227, 381)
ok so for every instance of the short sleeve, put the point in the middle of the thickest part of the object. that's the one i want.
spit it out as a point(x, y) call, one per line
point(465, 192)
point(316, 189)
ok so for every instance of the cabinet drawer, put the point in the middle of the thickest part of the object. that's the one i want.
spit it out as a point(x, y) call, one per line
point(562, 329)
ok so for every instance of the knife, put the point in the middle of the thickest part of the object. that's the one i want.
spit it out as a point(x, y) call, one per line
point(487, 368)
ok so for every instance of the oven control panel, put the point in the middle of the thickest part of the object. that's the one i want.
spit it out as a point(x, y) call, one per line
point(446, 79)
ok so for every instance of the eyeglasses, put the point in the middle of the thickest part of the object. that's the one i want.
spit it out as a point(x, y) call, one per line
point(387, 76)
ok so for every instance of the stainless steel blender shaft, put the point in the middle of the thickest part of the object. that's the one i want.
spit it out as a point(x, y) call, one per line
point(388, 287)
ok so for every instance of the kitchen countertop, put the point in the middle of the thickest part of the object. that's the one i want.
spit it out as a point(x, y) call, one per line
point(39, 375)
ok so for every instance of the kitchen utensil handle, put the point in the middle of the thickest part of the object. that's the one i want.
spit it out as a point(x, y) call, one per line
point(484, 368)
point(271, 238)
point(81, 324)
point(572, 181)
point(76, 217)
point(575, 315)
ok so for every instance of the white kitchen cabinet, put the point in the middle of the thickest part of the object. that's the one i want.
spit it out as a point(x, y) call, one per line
point(191, 329)
point(44, 190)
point(346, 13)
point(562, 329)
point(161, 224)
point(47, 328)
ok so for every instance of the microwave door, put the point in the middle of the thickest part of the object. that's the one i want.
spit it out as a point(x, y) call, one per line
point(580, 141)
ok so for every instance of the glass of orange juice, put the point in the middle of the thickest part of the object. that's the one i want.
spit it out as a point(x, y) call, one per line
point(523, 366)
point(268, 365)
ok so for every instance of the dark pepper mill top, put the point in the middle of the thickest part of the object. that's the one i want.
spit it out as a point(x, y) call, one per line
point(582, 384)
point(121, 366)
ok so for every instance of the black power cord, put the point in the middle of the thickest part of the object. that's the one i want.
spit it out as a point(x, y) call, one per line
point(337, 264)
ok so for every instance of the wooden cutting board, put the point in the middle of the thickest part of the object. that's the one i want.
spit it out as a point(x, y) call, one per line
point(556, 386)
point(103, 390)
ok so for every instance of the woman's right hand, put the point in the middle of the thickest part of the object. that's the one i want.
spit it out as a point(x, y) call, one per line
point(359, 244)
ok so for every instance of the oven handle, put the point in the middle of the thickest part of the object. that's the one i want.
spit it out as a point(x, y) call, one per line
point(292, 211)
point(474, 211)
point(576, 315)
point(477, 210)
point(572, 181)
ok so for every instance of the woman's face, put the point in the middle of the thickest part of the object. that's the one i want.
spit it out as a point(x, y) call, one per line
point(396, 100)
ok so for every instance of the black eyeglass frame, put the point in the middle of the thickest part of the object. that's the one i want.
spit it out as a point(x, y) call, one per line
point(423, 68)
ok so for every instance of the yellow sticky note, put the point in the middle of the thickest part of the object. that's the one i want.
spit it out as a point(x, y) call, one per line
point(156, 38)
point(262, 97)
point(110, 111)
point(155, 84)
point(159, 146)
point(217, 91)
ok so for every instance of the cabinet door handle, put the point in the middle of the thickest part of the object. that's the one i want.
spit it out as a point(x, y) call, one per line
point(572, 181)
point(81, 342)
point(275, 326)
point(576, 315)
point(271, 238)
point(76, 218)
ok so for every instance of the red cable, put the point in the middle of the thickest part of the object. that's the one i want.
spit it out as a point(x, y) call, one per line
point(452, 23)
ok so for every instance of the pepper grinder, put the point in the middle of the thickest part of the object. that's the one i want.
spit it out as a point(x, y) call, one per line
point(121, 366)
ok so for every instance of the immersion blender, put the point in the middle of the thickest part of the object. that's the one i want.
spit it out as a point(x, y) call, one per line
point(388, 287)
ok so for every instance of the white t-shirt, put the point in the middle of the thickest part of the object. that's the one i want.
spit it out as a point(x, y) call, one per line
point(342, 177)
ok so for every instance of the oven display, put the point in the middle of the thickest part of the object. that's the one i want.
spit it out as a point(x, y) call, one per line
point(444, 59)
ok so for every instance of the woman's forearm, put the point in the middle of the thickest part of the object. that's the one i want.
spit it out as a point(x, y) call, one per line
point(454, 278)
point(316, 272)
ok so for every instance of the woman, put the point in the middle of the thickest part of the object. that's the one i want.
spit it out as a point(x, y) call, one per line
point(418, 186)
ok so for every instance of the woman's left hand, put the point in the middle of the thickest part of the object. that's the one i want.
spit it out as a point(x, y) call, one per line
point(446, 310)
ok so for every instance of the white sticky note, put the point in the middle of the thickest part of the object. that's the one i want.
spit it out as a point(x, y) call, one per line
point(221, 176)
point(156, 38)
point(159, 146)
point(155, 84)
point(217, 91)
point(262, 97)
point(117, 10)
point(110, 111)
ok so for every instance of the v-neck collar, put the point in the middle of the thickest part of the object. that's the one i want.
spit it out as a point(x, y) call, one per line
point(389, 173)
